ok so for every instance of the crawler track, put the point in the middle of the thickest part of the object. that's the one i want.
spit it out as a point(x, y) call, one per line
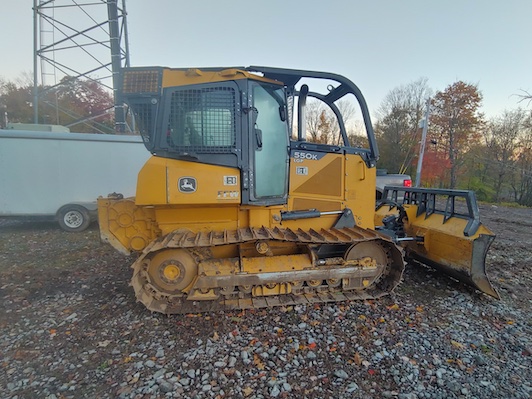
point(191, 279)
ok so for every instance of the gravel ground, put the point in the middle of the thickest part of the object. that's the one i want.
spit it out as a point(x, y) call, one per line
point(70, 328)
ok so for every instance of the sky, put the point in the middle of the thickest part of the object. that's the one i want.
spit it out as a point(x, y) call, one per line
point(380, 45)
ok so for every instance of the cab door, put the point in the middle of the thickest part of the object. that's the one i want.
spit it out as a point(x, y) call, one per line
point(269, 145)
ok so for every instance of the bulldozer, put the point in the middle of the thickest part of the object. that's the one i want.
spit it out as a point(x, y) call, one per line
point(236, 209)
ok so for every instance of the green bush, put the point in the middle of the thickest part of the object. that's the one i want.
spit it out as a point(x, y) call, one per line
point(482, 190)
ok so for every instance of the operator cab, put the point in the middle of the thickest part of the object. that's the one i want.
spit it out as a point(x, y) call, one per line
point(238, 117)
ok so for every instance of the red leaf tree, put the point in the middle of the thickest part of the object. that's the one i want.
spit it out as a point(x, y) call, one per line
point(456, 124)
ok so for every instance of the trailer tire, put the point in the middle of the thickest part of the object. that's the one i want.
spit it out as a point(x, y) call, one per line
point(73, 218)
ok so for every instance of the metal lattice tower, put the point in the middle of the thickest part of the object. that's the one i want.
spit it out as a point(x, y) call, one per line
point(80, 39)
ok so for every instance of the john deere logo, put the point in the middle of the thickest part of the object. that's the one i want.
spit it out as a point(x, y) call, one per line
point(187, 185)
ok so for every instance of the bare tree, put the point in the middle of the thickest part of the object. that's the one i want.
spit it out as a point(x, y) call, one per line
point(397, 126)
point(525, 97)
point(501, 138)
point(313, 110)
point(522, 182)
point(348, 111)
point(322, 124)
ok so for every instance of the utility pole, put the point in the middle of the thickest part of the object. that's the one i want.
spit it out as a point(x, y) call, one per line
point(422, 146)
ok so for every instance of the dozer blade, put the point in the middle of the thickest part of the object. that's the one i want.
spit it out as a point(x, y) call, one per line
point(448, 234)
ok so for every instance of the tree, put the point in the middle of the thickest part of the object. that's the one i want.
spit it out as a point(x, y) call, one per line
point(348, 111)
point(478, 175)
point(313, 112)
point(17, 101)
point(435, 168)
point(324, 128)
point(397, 130)
point(525, 97)
point(321, 122)
point(455, 124)
point(82, 103)
point(358, 140)
point(357, 135)
point(77, 103)
point(522, 182)
point(501, 139)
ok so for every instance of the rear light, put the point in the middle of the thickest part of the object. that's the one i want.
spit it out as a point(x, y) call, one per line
point(407, 183)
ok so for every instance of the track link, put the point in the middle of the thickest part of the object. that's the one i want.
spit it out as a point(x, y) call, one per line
point(196, 248)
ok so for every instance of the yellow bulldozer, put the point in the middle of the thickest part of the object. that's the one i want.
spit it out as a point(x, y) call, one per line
point(234, 210)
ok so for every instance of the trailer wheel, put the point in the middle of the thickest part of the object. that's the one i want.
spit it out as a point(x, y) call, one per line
point(73, 218)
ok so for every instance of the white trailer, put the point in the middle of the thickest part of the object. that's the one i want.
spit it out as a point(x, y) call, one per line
point(50, 175)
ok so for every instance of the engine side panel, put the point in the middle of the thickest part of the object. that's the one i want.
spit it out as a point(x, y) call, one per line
point(169, 181)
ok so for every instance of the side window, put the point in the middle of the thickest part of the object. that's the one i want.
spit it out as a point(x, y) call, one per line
point(144, 113)
point(202, 120)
